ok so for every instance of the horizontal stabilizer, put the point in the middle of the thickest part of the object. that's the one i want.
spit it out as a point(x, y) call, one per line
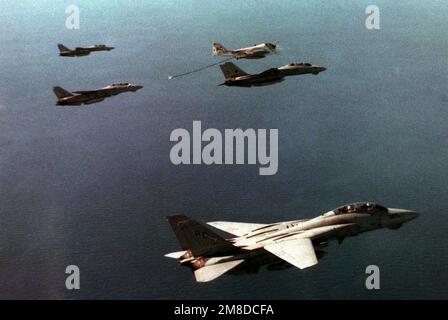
point(298, 252)
point(175, 255)
point(235, 228)
point(209, 273)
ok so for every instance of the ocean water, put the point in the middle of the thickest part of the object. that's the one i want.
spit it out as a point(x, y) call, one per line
point(92, 186)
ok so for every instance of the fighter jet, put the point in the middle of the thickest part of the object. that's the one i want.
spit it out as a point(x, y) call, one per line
point(77, 98)
point(234, 76)
point(298, 243)
point(80, 52)
point(257, 51)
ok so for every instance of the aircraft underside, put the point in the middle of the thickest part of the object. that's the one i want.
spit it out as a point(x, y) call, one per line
point(239, 264)
point(256, 83)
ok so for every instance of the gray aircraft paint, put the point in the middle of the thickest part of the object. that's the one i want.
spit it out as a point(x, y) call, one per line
point(77, 98)
point(295, 243)
point(235, 76)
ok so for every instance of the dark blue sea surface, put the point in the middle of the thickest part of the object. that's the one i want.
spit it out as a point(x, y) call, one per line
point(91, 186)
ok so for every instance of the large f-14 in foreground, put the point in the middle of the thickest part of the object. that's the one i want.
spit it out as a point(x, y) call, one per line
point(298, 243)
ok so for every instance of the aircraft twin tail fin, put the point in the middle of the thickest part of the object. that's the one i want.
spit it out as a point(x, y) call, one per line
point(230, 70)
point(219, 50)
point(63, 48)
point(61, 93)
point(196, 237)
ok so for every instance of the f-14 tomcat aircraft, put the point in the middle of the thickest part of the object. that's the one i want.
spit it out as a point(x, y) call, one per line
point(234, 76)
point(80, 52)
point(77, 98)
point(298, 243)
point(257, 51)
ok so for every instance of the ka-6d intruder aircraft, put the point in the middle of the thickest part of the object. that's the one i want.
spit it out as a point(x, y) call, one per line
point(238, 78)
point(80, 52)
point(280, 245)
point(257, 51)
point(77, 98)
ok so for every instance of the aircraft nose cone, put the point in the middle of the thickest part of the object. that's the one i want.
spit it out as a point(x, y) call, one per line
point(412, 215)
point(406, 215)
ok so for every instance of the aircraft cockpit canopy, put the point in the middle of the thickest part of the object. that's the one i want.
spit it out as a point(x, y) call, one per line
point(302, 64)
point(360, 207)
point(120, 84)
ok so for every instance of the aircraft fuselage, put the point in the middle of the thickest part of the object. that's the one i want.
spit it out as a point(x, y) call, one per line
point(346, 221)
point(89, 97)
point(272, 76)
point(81, 52)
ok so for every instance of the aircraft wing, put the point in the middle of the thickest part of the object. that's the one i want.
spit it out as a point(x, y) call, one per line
point(250, 54)
point(272, 71)
point(86, 92)
point(236, 228)
point(97, 93)
point(299, 252)
point(328, 232)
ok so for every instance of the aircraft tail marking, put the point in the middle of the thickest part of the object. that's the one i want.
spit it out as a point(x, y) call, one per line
point(196, 237)
point(61, 93)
